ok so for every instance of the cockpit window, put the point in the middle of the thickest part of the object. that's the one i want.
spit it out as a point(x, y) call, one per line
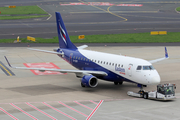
point(139, 67)
point(148, 67)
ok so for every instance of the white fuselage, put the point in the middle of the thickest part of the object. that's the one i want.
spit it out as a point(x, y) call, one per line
point(124, 66)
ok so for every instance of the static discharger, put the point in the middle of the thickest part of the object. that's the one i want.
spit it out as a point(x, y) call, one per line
point(81, 36)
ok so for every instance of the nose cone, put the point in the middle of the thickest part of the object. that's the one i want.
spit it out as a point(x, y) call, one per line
point(155, 80)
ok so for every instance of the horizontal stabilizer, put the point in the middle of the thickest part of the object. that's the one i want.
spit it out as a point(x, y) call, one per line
point(82, 47)
point(46, 51)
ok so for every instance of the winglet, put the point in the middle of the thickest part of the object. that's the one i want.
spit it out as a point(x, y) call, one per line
point(7, 61)
point(166, 53)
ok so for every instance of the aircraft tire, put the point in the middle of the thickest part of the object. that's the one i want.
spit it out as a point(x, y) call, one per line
point(145, 95)
point(120, 83)
point(116, 83)
point(82, 85)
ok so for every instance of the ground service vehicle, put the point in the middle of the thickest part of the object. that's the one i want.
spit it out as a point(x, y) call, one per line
point(164, 92)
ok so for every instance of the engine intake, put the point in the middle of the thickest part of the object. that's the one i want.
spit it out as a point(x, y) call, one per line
point(89, 81)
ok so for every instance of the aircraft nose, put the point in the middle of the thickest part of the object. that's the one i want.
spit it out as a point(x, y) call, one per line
point(155, 80)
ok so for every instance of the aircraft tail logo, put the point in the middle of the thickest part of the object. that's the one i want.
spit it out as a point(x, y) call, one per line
point(64, 40)
point(63, 34)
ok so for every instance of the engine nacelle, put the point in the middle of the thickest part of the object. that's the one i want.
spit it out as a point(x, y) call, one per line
point(89, 81)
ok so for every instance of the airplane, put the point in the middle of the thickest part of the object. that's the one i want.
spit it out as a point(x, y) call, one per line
point(94, 65)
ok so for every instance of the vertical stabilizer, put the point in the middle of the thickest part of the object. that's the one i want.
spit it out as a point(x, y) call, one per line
point(64, 40)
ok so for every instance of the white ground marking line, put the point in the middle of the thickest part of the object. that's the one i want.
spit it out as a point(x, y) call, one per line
point(40, 111)
point(95, 109)
point(83, 105)
point(73, 109)
point(23, 111)
point(8, 113)
point(47, 12)
point(59, 111)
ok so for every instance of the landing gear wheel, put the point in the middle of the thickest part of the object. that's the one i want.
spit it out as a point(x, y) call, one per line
point(116, 83)
point(145, 95)
point(82, 85)
point(120, 83)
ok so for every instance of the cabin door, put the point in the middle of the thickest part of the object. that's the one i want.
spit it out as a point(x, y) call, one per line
point(130, 70)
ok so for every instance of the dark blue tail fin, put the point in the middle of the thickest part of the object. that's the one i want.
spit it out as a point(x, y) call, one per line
point(64, 40)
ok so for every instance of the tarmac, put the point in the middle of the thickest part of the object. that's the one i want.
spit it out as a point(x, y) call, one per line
point(26, 95)
point(158, 15)
point(60, 96)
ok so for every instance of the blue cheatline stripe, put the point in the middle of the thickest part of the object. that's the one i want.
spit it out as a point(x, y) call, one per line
point(6, 70)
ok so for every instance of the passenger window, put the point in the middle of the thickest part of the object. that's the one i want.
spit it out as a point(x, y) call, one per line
point(109, 63)
point(113, 64)
point(104, 62)
point(121, 65)
point(139, 68)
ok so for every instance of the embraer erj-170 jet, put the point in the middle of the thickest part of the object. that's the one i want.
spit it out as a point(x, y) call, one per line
point(97, 65)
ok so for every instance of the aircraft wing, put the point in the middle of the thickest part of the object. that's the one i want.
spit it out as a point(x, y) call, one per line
point(160, 59)
point(77, 72)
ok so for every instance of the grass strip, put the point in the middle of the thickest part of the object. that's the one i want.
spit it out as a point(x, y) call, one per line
point(111, 38)
point(178, 9)
point(21, 12)
point(21, 17)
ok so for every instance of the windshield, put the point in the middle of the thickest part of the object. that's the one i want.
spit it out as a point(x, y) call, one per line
point(148, 67)
point(166, 90)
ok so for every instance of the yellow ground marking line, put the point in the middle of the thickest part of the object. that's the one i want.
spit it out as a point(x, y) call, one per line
point(151, 17)
point(6, 70)
point(107, 11)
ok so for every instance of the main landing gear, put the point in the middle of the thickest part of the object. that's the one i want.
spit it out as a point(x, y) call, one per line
point(120, 83)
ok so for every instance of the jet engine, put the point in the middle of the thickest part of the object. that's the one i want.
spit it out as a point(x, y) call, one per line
point(89, 81)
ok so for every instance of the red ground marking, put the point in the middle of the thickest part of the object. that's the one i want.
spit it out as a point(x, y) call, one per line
point(91, 3)
point(83, 105)
point(93, 102)
point(23, 111)
point(59, 111)
point(40, 111)
point(73, 109)
point(8, 114)
point(43, 65)
point(135, 5)
point(102, 4)
point(95, 109)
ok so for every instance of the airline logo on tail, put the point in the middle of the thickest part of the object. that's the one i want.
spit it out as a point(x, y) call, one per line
point(62, 33)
